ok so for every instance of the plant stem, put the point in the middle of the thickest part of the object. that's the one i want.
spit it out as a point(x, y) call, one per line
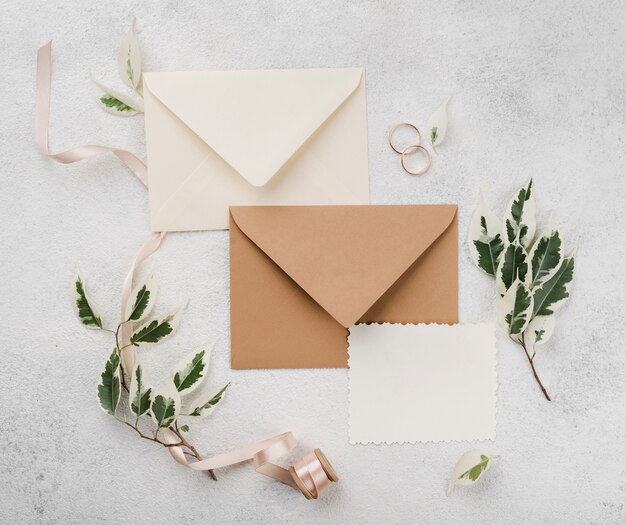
point(191, 448)
point(532, 366)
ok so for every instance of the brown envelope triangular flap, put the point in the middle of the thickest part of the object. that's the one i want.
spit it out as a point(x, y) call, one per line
point(255, 120)
point(344, 257)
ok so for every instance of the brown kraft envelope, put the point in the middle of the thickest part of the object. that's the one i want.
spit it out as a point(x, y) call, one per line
point(302, 275)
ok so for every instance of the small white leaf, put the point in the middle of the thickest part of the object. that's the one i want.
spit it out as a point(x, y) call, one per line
point(165, 406)
point(437, 124)
point(129, 58)
point(191, 371)
point(140, 393)
point(485, 239)
point(515, 308)
point(545, 257)
point(142, 299)
point(519, 220)
point(83, 307)
point(538, 332)
point(513, 265)
point(208, 406)
point(115, 102)
point(470, 468)
point(157, 330)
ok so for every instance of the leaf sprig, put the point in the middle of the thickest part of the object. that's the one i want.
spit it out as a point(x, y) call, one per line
point(533, 275)
point(148, 409)
point(129, 68)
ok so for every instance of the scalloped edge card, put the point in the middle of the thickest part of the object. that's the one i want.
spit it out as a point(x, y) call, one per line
point(419, 383)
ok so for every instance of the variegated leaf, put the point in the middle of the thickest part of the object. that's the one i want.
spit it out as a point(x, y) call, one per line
point(157, 330)
point(115, 102)
point(513, 265)
point(165, 405)
point(553, 293)
point(140, 394)
point(83, 307)
point(141, 300)
point(437, 124)
point(538, 332)
point(109, 388)
point(207, 407)
point(545, 258)
point(129, 58)
point(191, 371)
point(515, 308)
point(485, 238)
point(470, 467)
point(519, 220)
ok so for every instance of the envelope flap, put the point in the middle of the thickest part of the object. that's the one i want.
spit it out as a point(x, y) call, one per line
point(255, 120)
point(344, 257)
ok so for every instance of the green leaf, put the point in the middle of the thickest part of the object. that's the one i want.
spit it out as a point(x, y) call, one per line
point(111, 102)
point(166, 406)
point(207, 408)
point(545, 258)
point(538, 332)
point(115, 102)
point(476, 471)
point(157, 330)
point(141, 300)
point(140, 393)
point(520, 220)
point(129, 58)
point(85, 312)
point(184, 428)
point(470, 467)
point(433, 135)
point(109, 387)
point(553, 293)
point(485, 238)
point(190, 372)
point(513, 265)
point(437, 124)
point(515, 308)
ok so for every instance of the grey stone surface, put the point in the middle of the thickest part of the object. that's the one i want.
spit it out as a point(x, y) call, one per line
point(538, 90)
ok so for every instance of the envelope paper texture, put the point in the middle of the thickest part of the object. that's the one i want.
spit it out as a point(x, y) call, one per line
point(410, 383)
point(222, 138)
point(302, 275)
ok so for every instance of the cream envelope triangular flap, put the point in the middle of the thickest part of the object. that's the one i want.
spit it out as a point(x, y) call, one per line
point(255, 120)
point(277, 137)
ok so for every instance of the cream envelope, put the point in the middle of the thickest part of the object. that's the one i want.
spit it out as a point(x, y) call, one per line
point(221, 138)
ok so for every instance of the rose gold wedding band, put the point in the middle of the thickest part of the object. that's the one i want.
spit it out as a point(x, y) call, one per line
point(409, 151)
point(396, 128)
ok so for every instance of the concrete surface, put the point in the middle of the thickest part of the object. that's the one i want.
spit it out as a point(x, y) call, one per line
point(538, 89)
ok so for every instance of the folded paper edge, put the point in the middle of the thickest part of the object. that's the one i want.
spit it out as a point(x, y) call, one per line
point(347, 323)
point(264, 180)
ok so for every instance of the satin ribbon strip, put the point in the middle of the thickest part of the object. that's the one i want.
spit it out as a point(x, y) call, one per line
point(42, 116)
point(312, 474)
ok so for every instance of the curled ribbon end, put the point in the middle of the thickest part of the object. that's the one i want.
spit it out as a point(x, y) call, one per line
point(313, 474)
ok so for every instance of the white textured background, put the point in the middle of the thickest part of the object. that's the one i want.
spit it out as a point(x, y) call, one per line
point(539, 88)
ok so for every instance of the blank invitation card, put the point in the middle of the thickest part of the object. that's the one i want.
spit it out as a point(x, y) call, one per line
point(418, 383)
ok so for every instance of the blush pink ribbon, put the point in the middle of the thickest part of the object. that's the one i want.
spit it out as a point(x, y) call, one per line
point(312, 474)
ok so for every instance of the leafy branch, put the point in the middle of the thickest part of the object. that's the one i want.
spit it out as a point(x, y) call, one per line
point(129, 68)
point(148, 410)
point(533, 276)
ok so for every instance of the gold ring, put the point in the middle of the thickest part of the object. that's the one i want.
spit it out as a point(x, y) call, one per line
point(409, 151)
point(398, 126)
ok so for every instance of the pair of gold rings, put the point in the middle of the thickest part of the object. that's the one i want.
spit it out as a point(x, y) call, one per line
point(411, 149)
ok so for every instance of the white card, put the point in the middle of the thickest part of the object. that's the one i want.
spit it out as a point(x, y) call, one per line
point(418, 383)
